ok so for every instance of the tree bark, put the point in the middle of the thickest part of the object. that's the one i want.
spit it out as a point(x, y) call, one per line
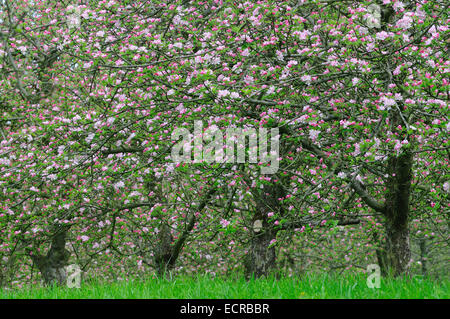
point(166, 252)
point(52, 266)
point(397, 246)
point(423, 256)
point(163, 254)
point(261, 259)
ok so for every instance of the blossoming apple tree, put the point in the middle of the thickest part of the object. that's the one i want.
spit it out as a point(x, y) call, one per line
point(89, 105)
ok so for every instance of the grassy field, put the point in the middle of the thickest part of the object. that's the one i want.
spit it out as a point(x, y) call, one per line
point(322, 287)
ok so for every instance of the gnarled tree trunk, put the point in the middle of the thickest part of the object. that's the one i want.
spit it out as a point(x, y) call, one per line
point(261, 259)
point(397, 253)
point(167, 251)
point(52, 266)
point(163, 252)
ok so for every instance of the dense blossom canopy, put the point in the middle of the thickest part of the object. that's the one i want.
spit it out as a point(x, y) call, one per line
point(91, 93)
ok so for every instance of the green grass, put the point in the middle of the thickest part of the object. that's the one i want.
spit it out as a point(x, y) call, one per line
point(203, 287)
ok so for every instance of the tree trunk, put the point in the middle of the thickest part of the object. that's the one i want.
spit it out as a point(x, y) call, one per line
point(423, 256)
point(398, 252)
point(52, 266)
point(166, 252)
point(397, 246)
point(163, 253)
point(261, 259)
